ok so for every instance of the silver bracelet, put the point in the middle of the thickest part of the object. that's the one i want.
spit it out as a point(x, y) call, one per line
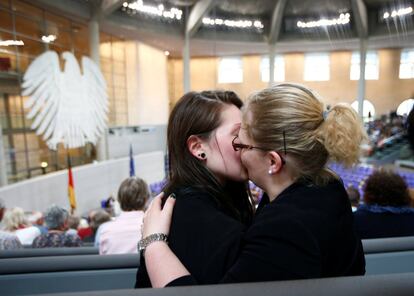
point(155, 237)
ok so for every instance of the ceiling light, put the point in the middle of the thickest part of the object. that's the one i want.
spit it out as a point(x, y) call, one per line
point(11, 42)
point(167, 53)
point(343, 19)
point(232, 23)
point(399, 12)
point(173, 13)
point(258, 24)
point(48, 39)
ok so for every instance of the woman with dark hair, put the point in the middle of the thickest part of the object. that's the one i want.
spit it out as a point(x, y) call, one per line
point(209, 184)
point(386, 211)
point(303, 227)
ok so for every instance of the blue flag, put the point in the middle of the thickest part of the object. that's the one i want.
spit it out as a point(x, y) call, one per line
point(131, 162)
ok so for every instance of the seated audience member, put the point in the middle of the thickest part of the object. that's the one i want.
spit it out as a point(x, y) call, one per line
point(85, 229)
point(387, 211)
point(9, 241)
point(122, 235)
point(73, 224)
point(108, 205)
point(99, 217)
point(16, 223)
point(2, 209)
point(354, 196)
point(37, 220)
point(56, 219)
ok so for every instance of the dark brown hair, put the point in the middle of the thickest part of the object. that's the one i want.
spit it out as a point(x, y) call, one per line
point(133, 194)
point(199, 113)
point(386, 188)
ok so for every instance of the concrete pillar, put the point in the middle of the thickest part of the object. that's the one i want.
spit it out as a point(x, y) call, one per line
point(272, 53)
point(186, 63)
point(101, 146)
point(361, 82)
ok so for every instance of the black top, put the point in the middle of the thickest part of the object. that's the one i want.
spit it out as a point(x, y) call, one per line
point(306, 232)
point(203, 237)
point(371, 224)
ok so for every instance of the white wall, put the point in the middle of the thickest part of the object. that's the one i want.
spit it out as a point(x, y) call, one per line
point(92, 182)
point(144, 139)
point(147, 85)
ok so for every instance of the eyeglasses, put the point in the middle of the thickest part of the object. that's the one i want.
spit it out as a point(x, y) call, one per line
point(239, 146)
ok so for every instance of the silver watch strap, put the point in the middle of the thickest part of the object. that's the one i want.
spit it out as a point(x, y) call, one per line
point(155, 237)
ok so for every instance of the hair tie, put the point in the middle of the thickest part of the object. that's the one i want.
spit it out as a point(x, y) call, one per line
point(325, 114)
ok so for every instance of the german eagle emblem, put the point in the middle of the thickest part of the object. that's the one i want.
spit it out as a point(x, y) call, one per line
point(68, 107)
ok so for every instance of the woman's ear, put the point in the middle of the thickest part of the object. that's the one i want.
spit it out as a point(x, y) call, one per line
point(276, 162)
point(196, 147)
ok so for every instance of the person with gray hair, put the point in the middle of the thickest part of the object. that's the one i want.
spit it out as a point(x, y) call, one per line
point(56, 219)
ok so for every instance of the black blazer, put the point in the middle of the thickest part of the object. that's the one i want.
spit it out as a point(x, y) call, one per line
point(306, 232)
point(204, 238)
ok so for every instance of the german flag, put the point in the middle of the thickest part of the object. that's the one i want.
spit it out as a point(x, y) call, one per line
point(71, 187)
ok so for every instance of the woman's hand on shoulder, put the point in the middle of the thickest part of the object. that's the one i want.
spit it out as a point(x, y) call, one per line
point(157, 219)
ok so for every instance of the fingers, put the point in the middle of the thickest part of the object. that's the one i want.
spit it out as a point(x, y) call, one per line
point(156, 202)
point(158, 199)
point(169, 205)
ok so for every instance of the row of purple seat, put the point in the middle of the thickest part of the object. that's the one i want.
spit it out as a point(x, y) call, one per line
point(357, 175)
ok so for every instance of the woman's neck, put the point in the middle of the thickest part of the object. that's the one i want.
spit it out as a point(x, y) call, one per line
point(277, 186)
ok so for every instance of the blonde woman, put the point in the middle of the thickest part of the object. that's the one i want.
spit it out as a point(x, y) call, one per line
point(15, 222)
point(304, 226)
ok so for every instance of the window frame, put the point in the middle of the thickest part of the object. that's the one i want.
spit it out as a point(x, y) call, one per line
point(279, 72)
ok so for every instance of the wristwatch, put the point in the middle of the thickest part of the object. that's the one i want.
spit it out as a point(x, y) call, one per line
point(155, 237)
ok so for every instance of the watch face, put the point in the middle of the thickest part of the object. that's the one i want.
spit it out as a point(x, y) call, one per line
point(140, 246)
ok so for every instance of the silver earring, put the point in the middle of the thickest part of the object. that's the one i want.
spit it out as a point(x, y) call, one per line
point(270, 172)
